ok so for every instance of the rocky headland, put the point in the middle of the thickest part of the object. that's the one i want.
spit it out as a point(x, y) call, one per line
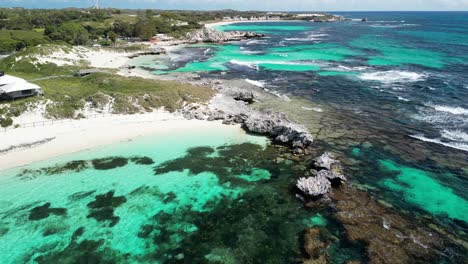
point(209, 35)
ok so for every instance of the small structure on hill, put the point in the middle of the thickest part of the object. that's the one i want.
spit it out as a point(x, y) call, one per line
point(13, 88)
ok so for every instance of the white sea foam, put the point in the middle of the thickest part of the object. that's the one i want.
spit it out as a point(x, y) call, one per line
point(311, 37)
point(455, 145)
point(244, 63)
point(251, 52)
point(206, 51)
point(389, 77)
point(448, 109)
point(455, 135)
point(316, 109)
point(256, 41)
point(282, 96)
point(393, 26)
point(256, 83)
point(403, 99)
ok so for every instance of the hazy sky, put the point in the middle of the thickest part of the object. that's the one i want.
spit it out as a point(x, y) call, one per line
point(286, 5)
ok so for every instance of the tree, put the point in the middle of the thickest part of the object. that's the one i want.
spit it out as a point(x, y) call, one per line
point(145, 29)
point(113, 37)
point(72, 33)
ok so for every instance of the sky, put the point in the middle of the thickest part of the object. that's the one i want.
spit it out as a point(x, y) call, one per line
point(267, 5)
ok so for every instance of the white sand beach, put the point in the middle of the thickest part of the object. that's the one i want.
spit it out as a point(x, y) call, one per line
point(69, 136)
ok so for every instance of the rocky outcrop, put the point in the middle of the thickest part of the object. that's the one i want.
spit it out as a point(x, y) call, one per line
point(314, 186)
point(248, 97)
point(325, 174)
point(215, 36)
point(155, 51)
point(269, 123)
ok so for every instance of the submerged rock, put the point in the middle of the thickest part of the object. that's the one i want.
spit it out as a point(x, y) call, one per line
point(389, 237)
point(314, 247)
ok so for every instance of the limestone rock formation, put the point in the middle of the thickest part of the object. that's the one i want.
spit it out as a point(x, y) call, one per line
point(319, 183)
point(314, 186)
point(215, 36)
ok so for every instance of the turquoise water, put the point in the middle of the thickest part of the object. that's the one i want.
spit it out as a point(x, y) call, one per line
point(214, 197)
point(297, 58)
point(266, 29)
point(422, 189)
point(110, 198)
point(394, 96)
point(198, 196)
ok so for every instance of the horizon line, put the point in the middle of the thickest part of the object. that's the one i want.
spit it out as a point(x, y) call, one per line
point(229, 9)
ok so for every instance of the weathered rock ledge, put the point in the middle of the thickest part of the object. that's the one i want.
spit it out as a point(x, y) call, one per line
point(272, 124)
point(215, 36)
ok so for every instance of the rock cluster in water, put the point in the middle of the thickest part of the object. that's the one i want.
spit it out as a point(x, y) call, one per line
point(327, 172)
point(230, 106)
point(215, 36)
point(273, 124)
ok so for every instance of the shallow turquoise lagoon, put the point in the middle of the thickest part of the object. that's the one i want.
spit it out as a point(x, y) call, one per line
point(102, 198)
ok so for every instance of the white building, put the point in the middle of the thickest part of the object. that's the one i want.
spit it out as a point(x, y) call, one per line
point(13, 87)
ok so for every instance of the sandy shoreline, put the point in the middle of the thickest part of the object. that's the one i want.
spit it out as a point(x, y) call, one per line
point(27, 145)
point(76, 135)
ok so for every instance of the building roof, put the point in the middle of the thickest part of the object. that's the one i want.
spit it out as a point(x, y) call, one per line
point(9, 84)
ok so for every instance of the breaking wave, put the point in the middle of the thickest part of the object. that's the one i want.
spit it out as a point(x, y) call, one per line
point(451, 110)
point(388, 77)
point(256, 83)
point(456, 145)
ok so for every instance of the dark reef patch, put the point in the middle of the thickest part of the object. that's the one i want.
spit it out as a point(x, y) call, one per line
point(230, 161)
point(86, 251)
point(43, 211)
point(142, 160)
point(80, 195)
point(102, 208)
point(3, 231)
point(107, 163)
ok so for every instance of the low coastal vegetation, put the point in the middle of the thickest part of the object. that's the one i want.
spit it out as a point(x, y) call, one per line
point(66, 95)
point(20, 28)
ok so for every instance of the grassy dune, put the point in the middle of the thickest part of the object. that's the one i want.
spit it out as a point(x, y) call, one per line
point(70, 93)
point(11, 40)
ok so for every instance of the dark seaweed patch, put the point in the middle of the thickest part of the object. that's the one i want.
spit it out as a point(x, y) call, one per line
point(49, 232)
point(80, 195)
point(4, 231)
point(87, 251)
point(43, 211)
point(232, 160)
point(169, 197)
point(200, 151)
point(78, 232)
point(142, 160)
point(109, 163)
point(77, 165)
point(102, 208)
